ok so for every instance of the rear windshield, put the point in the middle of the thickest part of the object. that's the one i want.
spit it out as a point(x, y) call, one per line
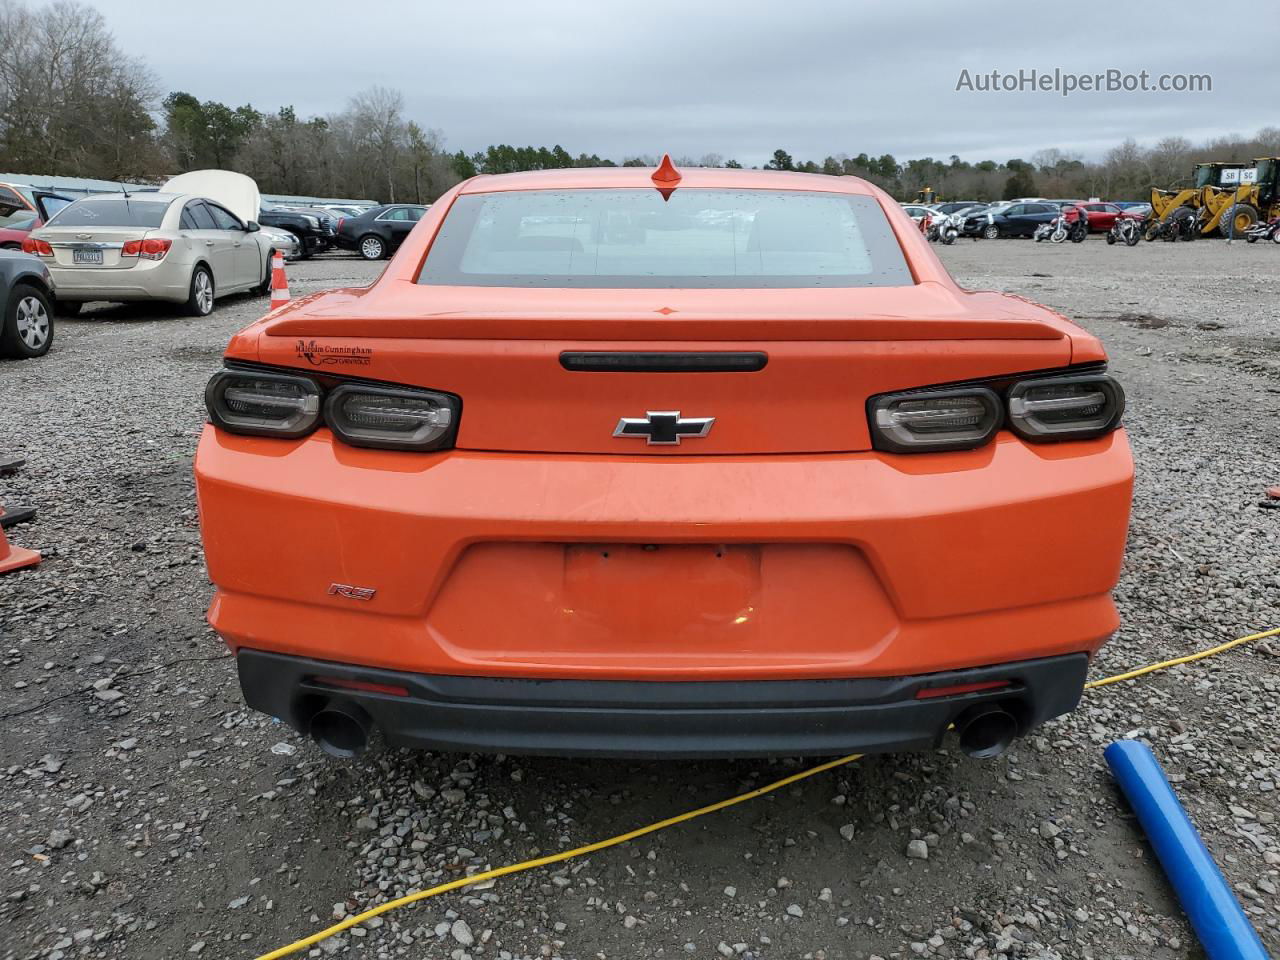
point(112, 212)
point(694, 239)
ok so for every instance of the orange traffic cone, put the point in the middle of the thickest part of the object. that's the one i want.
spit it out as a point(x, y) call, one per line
point(13, 558)
point(279, 284)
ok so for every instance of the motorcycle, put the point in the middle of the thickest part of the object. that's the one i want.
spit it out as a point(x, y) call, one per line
point(1125, 230)
point(948, 228)
point(944, 228)
point(1264, 231)
point(1080, 228)
point(1054, 231)
point(1174, 227)
point(1060, 229)
point(1165, 230)
point(1186, 227)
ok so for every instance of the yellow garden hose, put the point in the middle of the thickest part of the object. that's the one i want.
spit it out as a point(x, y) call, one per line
point(360, 918)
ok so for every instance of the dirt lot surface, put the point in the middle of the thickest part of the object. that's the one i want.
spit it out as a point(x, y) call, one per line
point(145, 813)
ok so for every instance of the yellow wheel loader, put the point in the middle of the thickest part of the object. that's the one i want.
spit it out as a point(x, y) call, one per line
point(1189, 200)
point(1236, 208)
point(1223, 194)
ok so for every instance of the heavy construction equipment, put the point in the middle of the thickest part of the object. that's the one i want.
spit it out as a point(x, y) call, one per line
point(1222, 192)
point(1187, 201)
point(1235, 208)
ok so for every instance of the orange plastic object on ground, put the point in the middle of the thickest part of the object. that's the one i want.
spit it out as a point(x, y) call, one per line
point(14, 558)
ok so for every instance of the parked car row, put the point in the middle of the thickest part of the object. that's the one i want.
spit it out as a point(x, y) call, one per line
point(1021, 218)
point(373, 232)
point(377, 233)
point(202, 236)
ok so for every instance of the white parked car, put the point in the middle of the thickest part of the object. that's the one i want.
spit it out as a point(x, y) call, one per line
point(918, 211)
point(190, 243)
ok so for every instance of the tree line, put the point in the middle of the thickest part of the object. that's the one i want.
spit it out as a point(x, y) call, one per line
point(72, 103)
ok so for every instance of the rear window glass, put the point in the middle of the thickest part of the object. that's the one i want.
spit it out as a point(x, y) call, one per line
point(694, 239)
point(112, 212)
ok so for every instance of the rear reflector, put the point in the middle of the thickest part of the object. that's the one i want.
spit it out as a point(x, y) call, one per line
point(361, 685)
point(718, 362)
point(958, 688)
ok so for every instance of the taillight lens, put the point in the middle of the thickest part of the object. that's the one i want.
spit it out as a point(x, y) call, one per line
point(153, 248)
point(1065, 408)
point(391, 418)
point(36, 246)
point(265, 404)
point(930, 420)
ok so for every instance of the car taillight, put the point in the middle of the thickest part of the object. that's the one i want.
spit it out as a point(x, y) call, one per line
point(930, 420)
point(1065, 408)
point(152, 248)
point(390, 417)
point(1039, 409)
point(273, 404)
point(341, 221)
point(36, 246)
point(263, 403)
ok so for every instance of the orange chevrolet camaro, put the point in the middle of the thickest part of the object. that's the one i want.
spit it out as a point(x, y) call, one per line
point(664, 463)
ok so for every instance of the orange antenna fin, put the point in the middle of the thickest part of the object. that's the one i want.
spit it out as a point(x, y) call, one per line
point(666, 174)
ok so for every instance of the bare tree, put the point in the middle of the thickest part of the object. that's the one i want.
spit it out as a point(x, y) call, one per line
point(70, 100)
point(377, 121)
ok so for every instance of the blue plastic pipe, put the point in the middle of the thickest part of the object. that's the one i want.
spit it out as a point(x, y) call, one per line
point(1214, 912)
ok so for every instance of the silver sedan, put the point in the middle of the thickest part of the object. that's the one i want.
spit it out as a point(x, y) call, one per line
point(151, 246)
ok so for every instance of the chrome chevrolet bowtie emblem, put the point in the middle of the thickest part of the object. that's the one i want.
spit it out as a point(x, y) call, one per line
point(663, 427)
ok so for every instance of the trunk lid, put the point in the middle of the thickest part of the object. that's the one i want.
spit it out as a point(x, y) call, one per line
point(825, 353)
point(67, 241)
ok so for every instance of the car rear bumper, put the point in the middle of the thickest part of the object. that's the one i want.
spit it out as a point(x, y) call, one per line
point(642, 719)
point(166, 280)
point(836, 566)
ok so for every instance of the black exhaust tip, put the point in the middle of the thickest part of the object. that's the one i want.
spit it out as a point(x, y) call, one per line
point(986, 731)
point(341, 729)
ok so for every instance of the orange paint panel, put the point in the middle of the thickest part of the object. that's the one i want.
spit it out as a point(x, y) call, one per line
point(950, 559)
point(810, 397)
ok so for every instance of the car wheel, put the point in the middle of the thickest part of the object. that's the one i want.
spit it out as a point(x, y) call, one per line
point(372, 248)
point(991, 232)
point(264, 287)
point(200, 301)
point(28, 323)
point(303, 252)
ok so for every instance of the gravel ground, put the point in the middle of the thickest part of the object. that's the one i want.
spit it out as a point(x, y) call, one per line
point(145, 813)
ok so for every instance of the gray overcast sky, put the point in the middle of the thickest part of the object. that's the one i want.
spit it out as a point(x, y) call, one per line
point(735, 78)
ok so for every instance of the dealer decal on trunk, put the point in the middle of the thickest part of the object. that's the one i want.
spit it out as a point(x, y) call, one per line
point(323, 354)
